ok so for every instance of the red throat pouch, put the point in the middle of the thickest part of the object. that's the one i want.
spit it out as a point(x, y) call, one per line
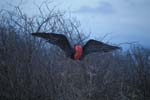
point(78, 52)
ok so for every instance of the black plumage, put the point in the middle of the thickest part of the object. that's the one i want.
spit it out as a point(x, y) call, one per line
point(62, 41)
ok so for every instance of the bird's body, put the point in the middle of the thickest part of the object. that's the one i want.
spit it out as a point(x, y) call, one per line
point(78, 52)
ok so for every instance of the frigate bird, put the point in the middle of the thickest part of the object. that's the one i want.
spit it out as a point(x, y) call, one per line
point(77, 52)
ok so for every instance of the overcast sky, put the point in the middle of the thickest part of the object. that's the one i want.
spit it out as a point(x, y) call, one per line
point(125, 20)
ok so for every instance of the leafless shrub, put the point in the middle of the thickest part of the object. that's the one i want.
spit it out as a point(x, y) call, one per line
point(32, 70)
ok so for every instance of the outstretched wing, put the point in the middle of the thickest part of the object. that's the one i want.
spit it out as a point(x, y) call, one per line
point(56, 39)
point(97, 46)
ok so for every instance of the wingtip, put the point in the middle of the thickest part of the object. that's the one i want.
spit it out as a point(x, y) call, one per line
point(33, 33)
point(118, 48)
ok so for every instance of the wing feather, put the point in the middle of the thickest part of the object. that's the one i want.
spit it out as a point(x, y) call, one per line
point(97, 46)
point(56, 39)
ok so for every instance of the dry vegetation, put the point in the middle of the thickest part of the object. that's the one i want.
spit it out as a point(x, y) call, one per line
point(30, 69)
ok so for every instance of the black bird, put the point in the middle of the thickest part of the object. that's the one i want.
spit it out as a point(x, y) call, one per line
point(78, 52)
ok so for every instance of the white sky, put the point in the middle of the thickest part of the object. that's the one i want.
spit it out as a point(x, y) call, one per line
point(126, 20)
